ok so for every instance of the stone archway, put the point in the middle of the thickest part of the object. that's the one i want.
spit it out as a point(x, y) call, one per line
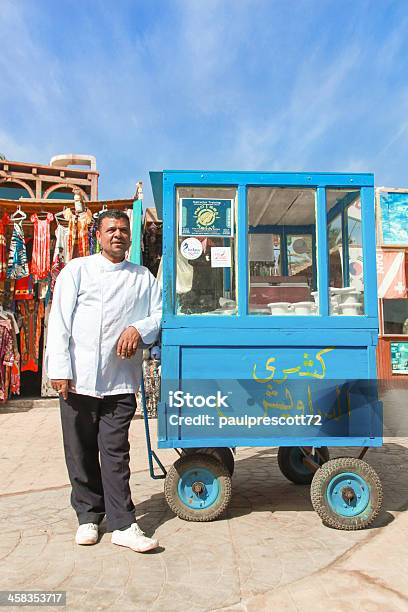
point(65, 186)
point(11, 180)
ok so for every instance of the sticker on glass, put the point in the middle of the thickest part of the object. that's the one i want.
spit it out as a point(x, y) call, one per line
point(220, 257)
point(191, 248)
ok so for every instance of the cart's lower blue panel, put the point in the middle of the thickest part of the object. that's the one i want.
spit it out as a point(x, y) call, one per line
point(269, 442)
point(269, 395)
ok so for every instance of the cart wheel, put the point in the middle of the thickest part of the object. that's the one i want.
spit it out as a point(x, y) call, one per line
point(290, 461)
point(198, 487)
point(346, 493)
point(223, 454)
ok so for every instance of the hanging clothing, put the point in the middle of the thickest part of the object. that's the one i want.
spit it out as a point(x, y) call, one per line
point(6, 357)
point(40, 263)
point(44, 292)
point(13, 372)
point(78, 241)
point(17, 262)
point(46, 388)
point(151, 376)
point(24, 288)
point(129, 212)
point(7, 293)
point(31, 313)
point(60, 253)
point(15, 377)
point(84, 220)
point(94, 246)
point(4, 221)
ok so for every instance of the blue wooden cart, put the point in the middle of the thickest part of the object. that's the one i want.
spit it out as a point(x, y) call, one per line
point(269, 335)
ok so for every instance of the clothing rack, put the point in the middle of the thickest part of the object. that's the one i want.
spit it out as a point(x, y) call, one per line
point(30, 206)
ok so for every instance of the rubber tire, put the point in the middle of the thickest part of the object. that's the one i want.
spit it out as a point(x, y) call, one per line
point(288, 469)
point(321, 481)
point(222, 453)
point(188, 462)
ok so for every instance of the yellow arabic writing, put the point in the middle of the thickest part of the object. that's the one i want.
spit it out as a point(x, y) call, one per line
point(312, 367)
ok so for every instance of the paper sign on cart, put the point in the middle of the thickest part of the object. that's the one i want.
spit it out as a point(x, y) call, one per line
point(206, 217)
point(220, 257)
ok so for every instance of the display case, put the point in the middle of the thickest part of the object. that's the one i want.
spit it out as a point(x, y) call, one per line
point(269, 336)
point(279, 239)
point(256, 264)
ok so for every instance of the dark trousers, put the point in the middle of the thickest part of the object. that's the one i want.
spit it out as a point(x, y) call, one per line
point(96, 445)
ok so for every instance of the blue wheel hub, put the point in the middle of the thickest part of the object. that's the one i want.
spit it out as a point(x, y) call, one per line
point(348, 494)
point(198, 488)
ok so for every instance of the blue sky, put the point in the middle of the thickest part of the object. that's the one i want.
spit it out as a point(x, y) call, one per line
point(206, 84)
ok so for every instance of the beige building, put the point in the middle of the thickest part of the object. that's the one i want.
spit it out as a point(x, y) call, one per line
point(47, 182)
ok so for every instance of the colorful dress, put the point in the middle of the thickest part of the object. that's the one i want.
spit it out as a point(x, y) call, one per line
point(4, 221)
point(40, 263)
point(31, 313)
point(6, 357)
point(78, 240)
point(13, 372)
point(94, 246)
point(17, 263)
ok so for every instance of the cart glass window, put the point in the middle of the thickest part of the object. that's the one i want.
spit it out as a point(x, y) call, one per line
point(345, 252)
point(282, 251)
point(205, 274)
point(395, 316)
point(264, 255)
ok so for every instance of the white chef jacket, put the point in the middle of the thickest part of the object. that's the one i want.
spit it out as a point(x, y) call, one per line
point(94, 301)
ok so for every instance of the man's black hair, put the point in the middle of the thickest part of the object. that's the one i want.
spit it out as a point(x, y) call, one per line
point(111, 214)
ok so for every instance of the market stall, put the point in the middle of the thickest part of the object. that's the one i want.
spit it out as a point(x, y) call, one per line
point(37, 238)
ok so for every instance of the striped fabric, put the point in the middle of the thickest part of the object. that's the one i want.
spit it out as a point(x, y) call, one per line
point(17, 263)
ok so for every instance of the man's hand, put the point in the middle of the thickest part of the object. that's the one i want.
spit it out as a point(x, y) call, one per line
point(61, 386)
point(128, 343)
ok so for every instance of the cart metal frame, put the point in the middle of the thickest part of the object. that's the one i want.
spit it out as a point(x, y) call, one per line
point(188, 337)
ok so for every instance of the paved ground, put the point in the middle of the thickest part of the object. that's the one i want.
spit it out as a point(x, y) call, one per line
point(270, 552)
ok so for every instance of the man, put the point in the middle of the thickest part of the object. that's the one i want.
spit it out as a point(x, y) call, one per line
point(103, 308)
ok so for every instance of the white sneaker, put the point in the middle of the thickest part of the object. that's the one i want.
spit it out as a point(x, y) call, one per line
point(87, 534)
point(134, 538)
